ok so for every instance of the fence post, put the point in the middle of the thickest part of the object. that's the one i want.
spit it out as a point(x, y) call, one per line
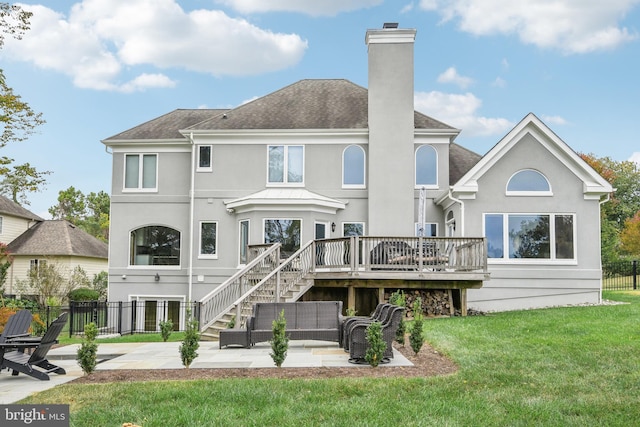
point(71, 313)
point(119, 317)
point(133, 316)
point(634, 271)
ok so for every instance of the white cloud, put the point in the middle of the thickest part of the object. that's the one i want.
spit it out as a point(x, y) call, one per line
point(101, 41)
point(451, 76)
point(554, 120)
point(635, 157)
point(313, 8)
point(571, 26)
point(460, 111)
point(499, 82)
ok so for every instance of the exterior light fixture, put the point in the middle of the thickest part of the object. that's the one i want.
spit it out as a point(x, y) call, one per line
point(157, 277)
point(333, 227)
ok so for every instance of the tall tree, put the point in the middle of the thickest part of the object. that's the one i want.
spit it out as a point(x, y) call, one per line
point(90, 212)
point(17, 120)
point(19, 180)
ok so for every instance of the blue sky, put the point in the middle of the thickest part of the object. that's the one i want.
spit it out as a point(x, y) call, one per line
point(97, 67)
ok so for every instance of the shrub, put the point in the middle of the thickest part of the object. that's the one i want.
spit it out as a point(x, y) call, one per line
point(415, 338)
point(84, 294)
point(5, 313)
point(166, 327)
point(280, 342)
point(377, 345)
point(398, 298)
point(188, 348)
point(88, 351)
point(38, 327)
point(232, 323)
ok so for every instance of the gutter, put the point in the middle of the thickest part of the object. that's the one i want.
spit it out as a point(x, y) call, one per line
point(191, 213)
point(461, 211)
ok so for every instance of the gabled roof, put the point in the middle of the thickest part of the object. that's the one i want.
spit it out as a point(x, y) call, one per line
point(166, 126)
point(307, 104)
point(58, 238)
point(9, 207)
point(594, 185)
point(460, 161)
point(292, 198)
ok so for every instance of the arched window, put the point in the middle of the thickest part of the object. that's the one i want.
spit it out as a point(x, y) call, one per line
point(155, 245)
point(353, 167)
point(426, 166)
point(528, 182)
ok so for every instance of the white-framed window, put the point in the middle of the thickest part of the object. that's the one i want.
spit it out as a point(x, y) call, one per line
point(528, 182)
point(530, 236)
point(36, 265)
point(205, 160)
point(352, 229)
point(208, 239)
point(155, 245)
point(286, 164)
point(243, 241)
point(141, 172)
point(353, 167)
point(284, 231)
point(426, 167)
point(430, 229)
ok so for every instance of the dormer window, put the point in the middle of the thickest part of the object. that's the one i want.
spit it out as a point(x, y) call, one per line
point(528, 182)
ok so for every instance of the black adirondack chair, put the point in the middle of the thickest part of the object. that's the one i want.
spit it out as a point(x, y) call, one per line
point(35, 364)
point(17, 326)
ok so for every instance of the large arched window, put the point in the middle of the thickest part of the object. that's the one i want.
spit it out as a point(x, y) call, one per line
point(528, 182)
point(353, 169)
point(426, 166)
point(155, 245)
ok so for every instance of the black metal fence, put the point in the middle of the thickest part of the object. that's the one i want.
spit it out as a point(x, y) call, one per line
point(122, 318)
point(620, 276)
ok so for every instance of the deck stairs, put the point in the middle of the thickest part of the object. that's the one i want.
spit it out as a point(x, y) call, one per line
point(266, 278)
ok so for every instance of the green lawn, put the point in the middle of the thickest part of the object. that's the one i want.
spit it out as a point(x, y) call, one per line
point(575, 366)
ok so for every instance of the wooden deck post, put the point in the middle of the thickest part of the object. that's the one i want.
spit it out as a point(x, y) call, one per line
point(351, 297)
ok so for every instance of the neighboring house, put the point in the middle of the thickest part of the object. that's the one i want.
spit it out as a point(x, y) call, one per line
point(192, 189)
point(32, 241)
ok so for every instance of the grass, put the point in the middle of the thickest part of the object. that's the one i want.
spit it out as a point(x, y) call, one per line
point(64, 339)
point(555, 367)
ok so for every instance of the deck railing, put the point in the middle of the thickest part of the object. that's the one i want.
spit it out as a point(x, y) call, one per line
point(368, 253)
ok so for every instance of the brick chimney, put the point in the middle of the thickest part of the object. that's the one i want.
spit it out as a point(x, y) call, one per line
point(391, 130)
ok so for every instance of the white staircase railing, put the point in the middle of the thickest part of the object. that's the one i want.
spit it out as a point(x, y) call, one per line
point(218, 302)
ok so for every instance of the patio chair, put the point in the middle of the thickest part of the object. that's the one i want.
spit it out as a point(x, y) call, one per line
point(17, 326)
point(358, 337)
point(27, 363)
point(349, 321)
point(382, 316)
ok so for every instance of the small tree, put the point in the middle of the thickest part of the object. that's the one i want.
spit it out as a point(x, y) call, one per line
point(166, 327)
point(88, 351)
point(44, 280)
point(377, 346)
point(188, 348)
point(100, 284)
point(280, 341)
point(398, 298)
point(415, 338)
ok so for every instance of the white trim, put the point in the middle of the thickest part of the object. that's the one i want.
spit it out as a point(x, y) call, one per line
point(240, 221)
point(210, 167)
point(140, 188)
point(150, 267)
point(285, 166)
point(532, 193)
point(417, 185)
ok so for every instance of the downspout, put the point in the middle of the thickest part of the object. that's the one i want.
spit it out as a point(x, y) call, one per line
point(600, 203)
point(191, 212)
point(461, 211)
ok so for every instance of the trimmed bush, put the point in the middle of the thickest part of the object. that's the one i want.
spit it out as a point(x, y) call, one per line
point(398, 298)
point(190, 344)
point(280, 342)
point(416, 339)
point(88, 351)
point(84, 294)
point(377, 346)
point(166, 327)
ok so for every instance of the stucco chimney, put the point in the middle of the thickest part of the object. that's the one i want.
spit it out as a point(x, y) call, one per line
point(391, 130)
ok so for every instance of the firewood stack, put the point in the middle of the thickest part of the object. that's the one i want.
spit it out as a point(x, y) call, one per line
point(435, 302)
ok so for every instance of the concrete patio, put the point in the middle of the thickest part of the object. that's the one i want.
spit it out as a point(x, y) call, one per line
point(158, 355)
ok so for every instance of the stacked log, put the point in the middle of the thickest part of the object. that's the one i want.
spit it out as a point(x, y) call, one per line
point(435, 302)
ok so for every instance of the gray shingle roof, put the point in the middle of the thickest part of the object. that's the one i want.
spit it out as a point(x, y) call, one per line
point(9, 207)
point(58, 238)
point(307, 104)
point(168, 125)
point(461, 160)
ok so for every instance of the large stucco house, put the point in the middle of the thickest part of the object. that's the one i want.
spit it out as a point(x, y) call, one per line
point(327, 166)
point(32, 241)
